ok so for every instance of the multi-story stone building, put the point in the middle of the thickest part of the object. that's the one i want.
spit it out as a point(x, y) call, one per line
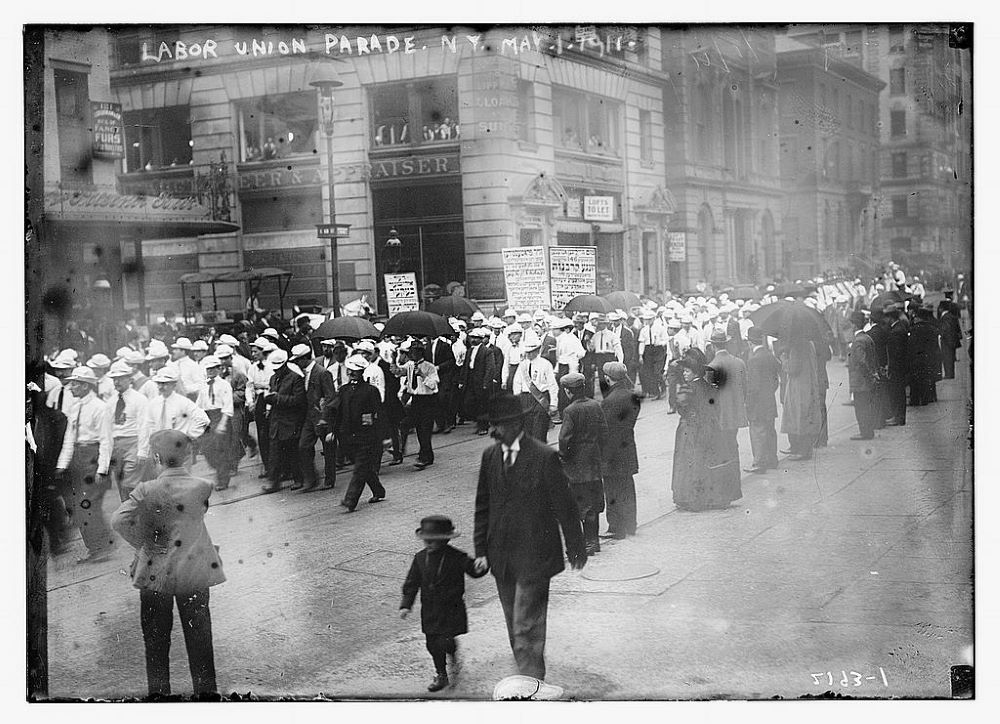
point(464, 142)
point(925, 124)
point(721, 123)
point(829, 159)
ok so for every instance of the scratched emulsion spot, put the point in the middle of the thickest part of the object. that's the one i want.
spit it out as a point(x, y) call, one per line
point(180, 507)
point(85, 504)
point(89, 479)
point(177, 543)
point(270, 554)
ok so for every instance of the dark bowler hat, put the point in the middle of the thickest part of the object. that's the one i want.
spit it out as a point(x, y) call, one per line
point(755, 335)
point(505, 408)
point(437, 527)
point(173, 447)
point(858, 319)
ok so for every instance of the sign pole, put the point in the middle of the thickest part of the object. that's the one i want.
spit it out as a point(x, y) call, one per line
point(423, 280)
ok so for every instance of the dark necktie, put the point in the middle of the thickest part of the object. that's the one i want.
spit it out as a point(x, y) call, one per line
point(508, 460)
point(120, 410)
point(211, 391)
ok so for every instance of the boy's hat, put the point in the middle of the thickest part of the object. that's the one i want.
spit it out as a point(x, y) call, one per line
point(437, 527)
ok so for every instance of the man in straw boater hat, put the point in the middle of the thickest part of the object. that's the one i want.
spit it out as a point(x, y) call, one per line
point(522, 501)
point(363, 427)
point(535, 385)
point(126, 410)
point(83, 465)
point(438, 572)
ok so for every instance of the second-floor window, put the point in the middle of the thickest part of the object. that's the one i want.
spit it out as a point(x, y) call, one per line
point(157, 138)
point(585, 122)
point(899, 210)
point(278, 126)
point(73, 121)
point(896, 42)
point(899, 165)
point(897, 81)
point(646, 137)
point(897, 123)
point(422, 112)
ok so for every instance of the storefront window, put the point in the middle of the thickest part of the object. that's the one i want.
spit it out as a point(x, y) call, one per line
point(586, 123)
point(278, 126)
point(73, 115)
point(157, 138)
point(433, 103)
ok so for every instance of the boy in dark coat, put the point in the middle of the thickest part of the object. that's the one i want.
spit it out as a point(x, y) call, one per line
point(438, 572)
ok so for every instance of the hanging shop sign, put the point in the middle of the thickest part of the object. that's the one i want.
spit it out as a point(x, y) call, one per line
point(598, 208)
point(678, 246)
point(108, 139)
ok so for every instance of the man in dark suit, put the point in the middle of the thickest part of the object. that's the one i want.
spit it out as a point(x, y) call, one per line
point(763, 372)
point(898, 353)
point(862, 372)
point(582, 440)
point(361, 413)
point(441, 355)
point(480, 378)
point(879, 333)
point(630, 346)
point(321, 418)
point(951, 336)
point(522, 502)
point(287, 400)
point(620, 461)
point(925, 356)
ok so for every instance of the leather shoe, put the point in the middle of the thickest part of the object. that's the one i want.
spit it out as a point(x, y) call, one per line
point(440, 682)
point(608, 535)
point(346, 507)
point(296, 486)
point(786, 452)
point(376, 499)
point(421, 465)
point(396, 461)
point(862, 437)
point(270, 489)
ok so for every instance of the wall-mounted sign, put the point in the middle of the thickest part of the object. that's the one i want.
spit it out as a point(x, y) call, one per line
point(109, 141)
point(678, 246)
point(598, 208)
point(572, 272)
point(526, 277)
point(387, 169)
point(401, 293)
point(485, 284)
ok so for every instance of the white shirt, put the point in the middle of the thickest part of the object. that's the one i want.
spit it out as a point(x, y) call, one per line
point(512, 356)
point(459, 349)
point(374, 376)
point(52, 401)
point(654, 334)
point(514, 448)
point(217, 394)
point(175, 412)
point(425, 384)
point(241, 364)
point(87, 424)
point(149, 389)
point(135, 409)
point(607, 341)
point(258, 379)
point(192, 375)
point(105, 388)
point(540, 372)
point(569, 351)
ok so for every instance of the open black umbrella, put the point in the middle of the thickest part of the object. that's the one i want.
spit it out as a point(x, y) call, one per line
point(417, 324)
point(346, 328)
point(588, 303)
point(452, 306)
point(623, 300)
point(790, 289)
point(786, 320)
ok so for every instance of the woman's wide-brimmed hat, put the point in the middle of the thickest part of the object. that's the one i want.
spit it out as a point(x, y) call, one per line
point(437, 527)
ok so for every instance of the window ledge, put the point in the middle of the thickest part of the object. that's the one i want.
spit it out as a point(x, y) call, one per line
point(528, 146)
point(647, 163)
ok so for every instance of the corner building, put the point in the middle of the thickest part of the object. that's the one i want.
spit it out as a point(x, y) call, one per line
point(465, 142)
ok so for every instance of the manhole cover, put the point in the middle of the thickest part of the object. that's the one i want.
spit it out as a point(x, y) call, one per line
point(619, 572)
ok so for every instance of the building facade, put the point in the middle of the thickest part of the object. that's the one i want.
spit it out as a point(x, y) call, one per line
point(829, 112)
point(721, 123)
point(925, 122)
point(462, 141)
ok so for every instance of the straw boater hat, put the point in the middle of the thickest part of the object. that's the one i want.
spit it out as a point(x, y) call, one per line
point(510, 312)
point(209, 361)
point(365, 345)
point(300, 350)
point(524, 317)
point(199, 345)
point(120, 368)
point(437, 527)
point(167, 373)
point(64, 360)
point(157, 350)
point(222, 351)
point(182, 343)
point(530, 341)
point(83, 374)
point(230, 340)
point(357, 362)
point(98, 361)
point(278, 357)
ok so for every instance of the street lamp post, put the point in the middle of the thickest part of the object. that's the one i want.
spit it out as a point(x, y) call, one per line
point(324, 79)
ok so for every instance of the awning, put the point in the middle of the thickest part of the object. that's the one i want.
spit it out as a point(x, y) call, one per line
point(144, 217)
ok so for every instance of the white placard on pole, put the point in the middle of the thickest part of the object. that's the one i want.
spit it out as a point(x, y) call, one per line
point(572, 272)
point(678, 245)
point(526, 277)
point(401, 293)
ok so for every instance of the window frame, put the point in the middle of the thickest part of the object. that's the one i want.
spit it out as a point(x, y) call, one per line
point(897, 113)
point(262, 110)
point(582, 105)
point(151, 142)
point(416, 105)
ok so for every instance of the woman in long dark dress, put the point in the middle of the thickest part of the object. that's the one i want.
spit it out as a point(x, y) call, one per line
point(701, 478)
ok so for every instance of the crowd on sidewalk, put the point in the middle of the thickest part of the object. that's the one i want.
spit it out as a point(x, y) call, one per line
point(100, 422)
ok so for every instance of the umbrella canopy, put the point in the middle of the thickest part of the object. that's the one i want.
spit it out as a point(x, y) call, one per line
point(785, 319)
point(623, 300)
point(889, 297)
point(417, 324)
point(745, 292)
point(452, 306)
point(346, 328)
point(790, 289)
point(589, 303)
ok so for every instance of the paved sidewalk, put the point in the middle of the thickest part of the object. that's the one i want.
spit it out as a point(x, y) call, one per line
point(857, 561)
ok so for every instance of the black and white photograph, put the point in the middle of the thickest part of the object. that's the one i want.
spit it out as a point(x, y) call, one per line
point(439, 361)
